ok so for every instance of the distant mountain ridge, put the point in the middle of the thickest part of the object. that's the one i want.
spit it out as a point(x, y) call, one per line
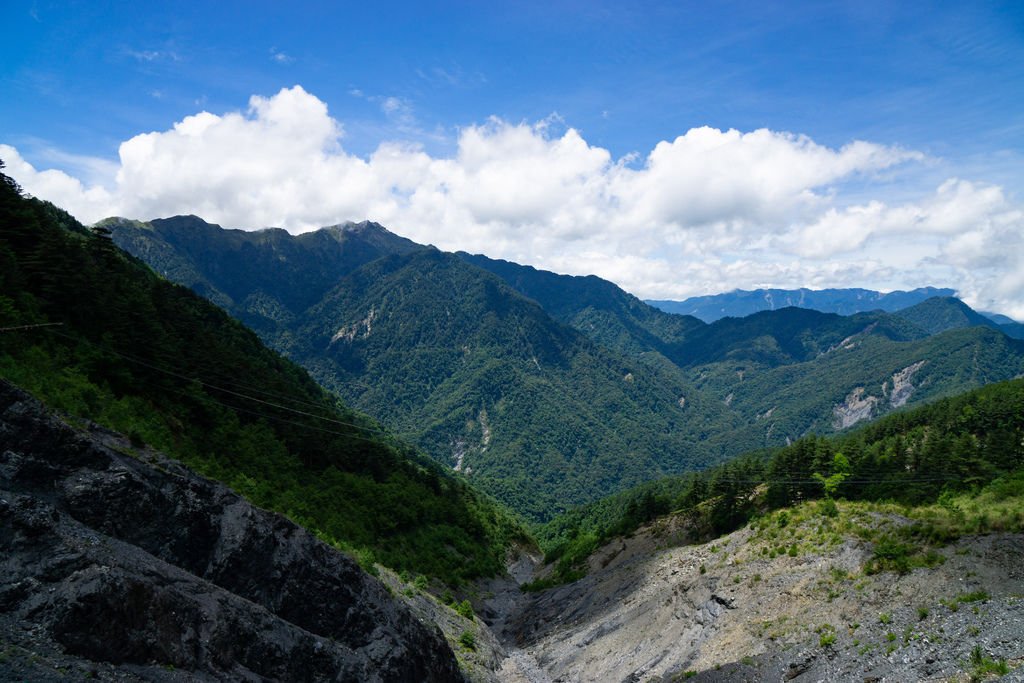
point(739, 303)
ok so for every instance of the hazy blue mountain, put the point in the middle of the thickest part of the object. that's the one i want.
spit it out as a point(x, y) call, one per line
point(998, 318)
point(740, 302)
point(1015, 330)
point(1008, 325)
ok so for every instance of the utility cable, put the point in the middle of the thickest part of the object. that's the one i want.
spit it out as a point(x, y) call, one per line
point(215, 387)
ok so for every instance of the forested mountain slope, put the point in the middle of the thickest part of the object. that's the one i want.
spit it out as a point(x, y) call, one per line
point(598, 308)
point(939, 314)
point(94, 332)
point(532, 410)
point(548, 389)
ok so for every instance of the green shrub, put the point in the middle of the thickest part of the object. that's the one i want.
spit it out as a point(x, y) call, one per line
point(464, 609)
point(984, 666)
point(890, 555)
point(976, 596)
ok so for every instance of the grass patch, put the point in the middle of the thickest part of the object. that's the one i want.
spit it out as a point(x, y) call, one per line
point(983, 666)
point(976, 596)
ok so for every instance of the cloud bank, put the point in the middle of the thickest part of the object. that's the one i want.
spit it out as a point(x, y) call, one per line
point(708, 211)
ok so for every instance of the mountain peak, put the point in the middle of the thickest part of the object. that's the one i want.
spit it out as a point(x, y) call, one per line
point(941, 313)
point(371, 233)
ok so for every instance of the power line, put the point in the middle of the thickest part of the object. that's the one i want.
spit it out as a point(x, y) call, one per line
point(275, 418)
point(139, 361)
point(911, 480)
point(29, 327)
point(215, 387)
point(372, 430)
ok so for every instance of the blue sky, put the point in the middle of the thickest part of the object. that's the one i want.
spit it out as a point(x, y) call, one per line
point(937, 88)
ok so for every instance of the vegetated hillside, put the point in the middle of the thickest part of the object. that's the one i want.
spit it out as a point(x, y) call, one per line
point(540, 414)
point(151, 359)
point(782, 337)
point(596, 307)
point(939, 314)
point(783, 373)
point(533, 411)
point(954, 445)
point(863, 379)
point(739, 303)
point(121, 565)
point(786, 373)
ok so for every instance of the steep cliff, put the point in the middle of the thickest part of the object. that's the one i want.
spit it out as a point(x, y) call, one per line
point(123, 565)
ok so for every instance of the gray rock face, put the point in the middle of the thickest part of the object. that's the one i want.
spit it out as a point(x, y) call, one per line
point(657, 608)
point(121, 569)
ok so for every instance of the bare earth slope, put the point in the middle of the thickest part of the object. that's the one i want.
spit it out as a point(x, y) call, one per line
point(653, 609)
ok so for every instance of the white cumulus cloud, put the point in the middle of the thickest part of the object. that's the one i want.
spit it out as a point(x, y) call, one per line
point(708, 211)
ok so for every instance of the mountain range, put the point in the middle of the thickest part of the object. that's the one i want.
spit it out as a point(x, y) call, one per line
point(121, 563)
point(548, 390)
point(739, 303)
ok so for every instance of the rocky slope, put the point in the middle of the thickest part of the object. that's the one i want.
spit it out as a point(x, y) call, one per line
point(655, 608)
point(122, 565)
